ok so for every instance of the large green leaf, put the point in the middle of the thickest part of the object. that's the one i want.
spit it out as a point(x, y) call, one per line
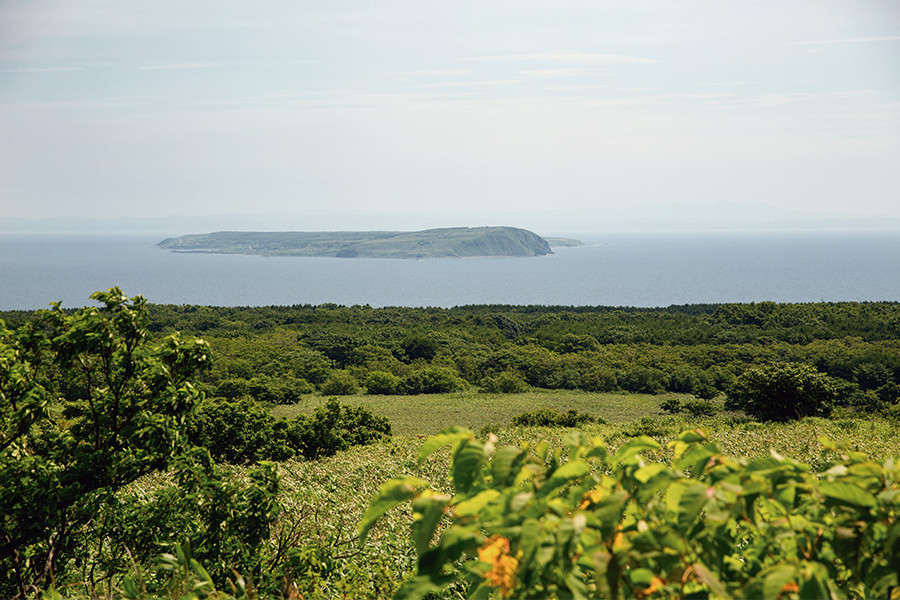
point(451, 435)
point(847, 493)
point(467, 461)
point(634, 446)
point(568, 472)
point(708, 578)
point(502, 464)
point(427, 512)
point(474, 505)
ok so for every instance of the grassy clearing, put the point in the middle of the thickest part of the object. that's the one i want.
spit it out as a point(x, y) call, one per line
point(429, 413)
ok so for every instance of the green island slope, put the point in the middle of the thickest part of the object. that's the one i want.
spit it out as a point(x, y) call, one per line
point(453, 242)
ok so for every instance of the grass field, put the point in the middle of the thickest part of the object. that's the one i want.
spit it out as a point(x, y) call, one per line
point(429, 413)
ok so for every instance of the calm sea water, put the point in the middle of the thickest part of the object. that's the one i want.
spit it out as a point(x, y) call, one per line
point(616, 269)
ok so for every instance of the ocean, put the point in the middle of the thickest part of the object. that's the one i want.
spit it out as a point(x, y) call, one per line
point(613, 269)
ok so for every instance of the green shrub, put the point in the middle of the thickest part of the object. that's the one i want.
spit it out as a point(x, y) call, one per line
point(782, 393)
point(339, 383)
point(599, 379)
point(671, 405)
point(695, 407)
point(238, 432)
point(506, 382)
point(698, 407)
point(243, 431)
point(127, 397)
point(432, 380)
point(548, 417)
point(380, 382)
point(333, 428)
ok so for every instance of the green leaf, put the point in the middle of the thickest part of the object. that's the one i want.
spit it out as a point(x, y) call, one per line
point(648, 472)
point(128, 587)
point(529, 539)
point(428, 510)
point(847, 493)
point(502, 463)
point(467, 460)
point(391, 493)
point(641, 577)
point(473, 506)
point(420, 586)
point(708, 578)
point(568, 472)
point(452, 435)
point(691, 503)
point(776, 578)
point(634, 446)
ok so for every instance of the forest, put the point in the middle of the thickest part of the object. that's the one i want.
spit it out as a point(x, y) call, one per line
point(162, 451)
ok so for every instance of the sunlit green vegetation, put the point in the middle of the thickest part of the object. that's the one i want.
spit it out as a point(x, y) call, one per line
point(319, 390)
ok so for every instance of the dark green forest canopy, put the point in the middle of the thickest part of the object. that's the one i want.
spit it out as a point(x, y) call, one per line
point(279, 353)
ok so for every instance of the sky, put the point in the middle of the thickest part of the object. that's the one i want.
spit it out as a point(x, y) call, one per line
point(403, 114)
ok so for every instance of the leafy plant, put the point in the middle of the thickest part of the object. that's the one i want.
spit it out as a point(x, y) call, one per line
point(432, 380)
point(339, 383)
point(126, 402)
point(506, 382)
point(527, 522)
point(380, 382)
point(783, 392)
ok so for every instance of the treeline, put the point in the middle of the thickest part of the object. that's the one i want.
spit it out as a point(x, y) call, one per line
point(278, 354)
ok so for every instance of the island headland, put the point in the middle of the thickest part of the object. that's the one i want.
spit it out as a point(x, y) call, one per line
point(451, 242)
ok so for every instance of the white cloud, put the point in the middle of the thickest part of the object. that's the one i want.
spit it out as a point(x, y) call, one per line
point(432, 73)
point(42, 69)
point(548, 73)
point(570, 58)
point(177, 67)
point(887, 38)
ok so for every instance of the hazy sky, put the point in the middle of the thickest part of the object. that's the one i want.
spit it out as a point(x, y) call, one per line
point(415, 113)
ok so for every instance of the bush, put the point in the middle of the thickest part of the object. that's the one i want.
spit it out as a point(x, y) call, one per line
point(238, 432)
point(506, 382)
point(548, 417)
point(243, 431)
point(671, 405)
point(127, 398)
point(432, 380)
point(599, 379)
point(698, 407)
point(339, 383)
point(695, 407)
point(380, 382)
point(782, 393)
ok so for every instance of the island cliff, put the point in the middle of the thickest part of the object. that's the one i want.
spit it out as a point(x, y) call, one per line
point(453, 242)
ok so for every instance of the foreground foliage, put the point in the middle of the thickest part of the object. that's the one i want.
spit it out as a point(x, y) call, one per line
point(527, 522)
point(99, 471)
point(125, 404)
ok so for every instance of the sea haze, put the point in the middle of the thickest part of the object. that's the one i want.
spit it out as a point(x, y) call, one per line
point(614, 269)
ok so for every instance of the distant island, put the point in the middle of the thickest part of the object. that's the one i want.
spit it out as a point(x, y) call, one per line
point(452, 242)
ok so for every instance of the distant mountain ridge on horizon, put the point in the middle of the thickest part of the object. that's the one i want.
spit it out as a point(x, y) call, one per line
point(448, 242)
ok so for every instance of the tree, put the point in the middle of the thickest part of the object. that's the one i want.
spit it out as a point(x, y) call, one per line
point(89, 404)
point(783, 392)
